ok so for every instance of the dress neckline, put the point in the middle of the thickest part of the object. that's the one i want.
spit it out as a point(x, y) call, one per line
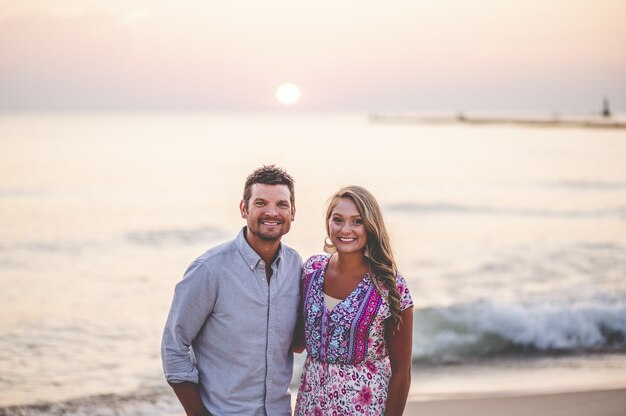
point(350, 295)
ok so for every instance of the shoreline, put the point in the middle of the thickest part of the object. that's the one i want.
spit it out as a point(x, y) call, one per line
point(601, 401)
point(607, 402)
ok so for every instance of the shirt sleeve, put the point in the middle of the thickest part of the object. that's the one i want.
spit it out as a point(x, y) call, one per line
point(406, 300)
point(194, 298)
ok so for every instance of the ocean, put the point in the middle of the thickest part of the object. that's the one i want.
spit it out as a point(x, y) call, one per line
point(512, 240)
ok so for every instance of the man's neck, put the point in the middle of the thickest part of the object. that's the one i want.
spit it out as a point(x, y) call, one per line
point(267, 250)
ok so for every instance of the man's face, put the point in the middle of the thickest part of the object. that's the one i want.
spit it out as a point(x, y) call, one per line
point(269, 212)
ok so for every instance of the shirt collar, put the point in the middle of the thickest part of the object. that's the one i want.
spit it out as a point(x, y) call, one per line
point(249, 255)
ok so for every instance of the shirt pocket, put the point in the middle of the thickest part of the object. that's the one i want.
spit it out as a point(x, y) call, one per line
point(287, 312)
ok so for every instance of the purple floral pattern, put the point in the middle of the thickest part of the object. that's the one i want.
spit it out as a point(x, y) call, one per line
point(347, 368)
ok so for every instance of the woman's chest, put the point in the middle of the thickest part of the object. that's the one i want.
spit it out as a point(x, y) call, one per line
point(346, 333)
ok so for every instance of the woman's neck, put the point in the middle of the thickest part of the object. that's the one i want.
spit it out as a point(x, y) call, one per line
point(350, 262)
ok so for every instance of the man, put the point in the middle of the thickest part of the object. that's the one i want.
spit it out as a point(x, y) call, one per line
point(226, 344)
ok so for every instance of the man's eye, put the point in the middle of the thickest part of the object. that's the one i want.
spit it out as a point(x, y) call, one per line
point(259, 203)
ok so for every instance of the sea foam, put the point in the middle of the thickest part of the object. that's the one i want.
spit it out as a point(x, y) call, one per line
point(490, 329)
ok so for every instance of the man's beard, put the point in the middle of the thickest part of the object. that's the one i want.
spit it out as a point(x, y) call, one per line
point(266, 235)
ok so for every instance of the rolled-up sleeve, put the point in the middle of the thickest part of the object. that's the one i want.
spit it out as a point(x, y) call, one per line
point(194, 298)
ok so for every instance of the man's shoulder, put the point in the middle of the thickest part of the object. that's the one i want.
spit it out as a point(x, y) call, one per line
point(217, 254)
point(291, 253)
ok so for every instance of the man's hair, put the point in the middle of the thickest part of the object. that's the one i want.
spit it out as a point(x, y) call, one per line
point(269, 175)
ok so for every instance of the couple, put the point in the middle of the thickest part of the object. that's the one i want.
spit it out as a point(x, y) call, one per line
point(243, 307)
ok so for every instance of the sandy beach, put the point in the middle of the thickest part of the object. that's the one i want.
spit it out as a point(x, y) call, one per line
point(588, 403)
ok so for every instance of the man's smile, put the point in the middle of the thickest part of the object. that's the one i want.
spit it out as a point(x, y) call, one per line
point(270, 222)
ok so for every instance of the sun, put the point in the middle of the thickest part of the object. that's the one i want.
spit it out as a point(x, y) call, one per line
point(288, 94)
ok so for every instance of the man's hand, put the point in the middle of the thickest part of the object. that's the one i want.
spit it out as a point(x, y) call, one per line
point(189, 397)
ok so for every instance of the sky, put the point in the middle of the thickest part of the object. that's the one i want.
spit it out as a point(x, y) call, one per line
point(436, 55)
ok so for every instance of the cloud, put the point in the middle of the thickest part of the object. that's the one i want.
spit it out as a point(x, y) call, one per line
point(103, 62)
point(447, 56)
point(61, 61)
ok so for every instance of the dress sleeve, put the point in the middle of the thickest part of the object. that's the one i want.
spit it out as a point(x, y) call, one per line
point(406, 300)
point(313, 263)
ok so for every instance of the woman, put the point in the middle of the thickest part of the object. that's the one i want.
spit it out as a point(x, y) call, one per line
point(357, 316)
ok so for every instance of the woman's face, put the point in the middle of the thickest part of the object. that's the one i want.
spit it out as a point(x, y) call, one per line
point(347, 229)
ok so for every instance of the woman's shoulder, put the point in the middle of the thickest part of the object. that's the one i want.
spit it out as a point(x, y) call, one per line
point(400, 282)
point(315, 262)
point(401, 285)
point(406, 300)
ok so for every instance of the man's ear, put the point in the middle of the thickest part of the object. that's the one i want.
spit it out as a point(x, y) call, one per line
point(293, 213)
point(243, 208)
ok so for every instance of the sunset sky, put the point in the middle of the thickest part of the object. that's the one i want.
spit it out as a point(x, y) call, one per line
point(436, 55)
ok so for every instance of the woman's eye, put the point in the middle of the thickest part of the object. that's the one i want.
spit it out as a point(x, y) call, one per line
point(337, 220)
point(358, 222)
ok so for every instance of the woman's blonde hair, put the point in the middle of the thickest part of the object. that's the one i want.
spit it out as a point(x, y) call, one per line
point(378, 246)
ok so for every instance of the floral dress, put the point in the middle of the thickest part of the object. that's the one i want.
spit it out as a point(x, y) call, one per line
point(347, 369)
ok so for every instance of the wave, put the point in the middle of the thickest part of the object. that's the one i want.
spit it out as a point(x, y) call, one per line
point(452, 209)
point(141, 403)
point(586, 185)
point(144, 238)
point(20, 192)
point(51, 246)
point(486, 329)
point(175, 236)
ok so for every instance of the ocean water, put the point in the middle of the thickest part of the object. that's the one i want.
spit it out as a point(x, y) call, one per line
point(512, 239)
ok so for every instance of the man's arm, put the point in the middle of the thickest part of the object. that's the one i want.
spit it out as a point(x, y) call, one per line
point(193, 302)
point(189, 397)
point(297, 343)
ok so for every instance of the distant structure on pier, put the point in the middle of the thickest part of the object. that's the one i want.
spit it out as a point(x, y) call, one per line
point(606, 112)
point(592, 119)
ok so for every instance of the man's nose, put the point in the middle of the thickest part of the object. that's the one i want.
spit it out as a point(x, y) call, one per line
point(271, 210)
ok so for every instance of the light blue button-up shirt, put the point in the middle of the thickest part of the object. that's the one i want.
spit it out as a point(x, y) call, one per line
point(230, 331)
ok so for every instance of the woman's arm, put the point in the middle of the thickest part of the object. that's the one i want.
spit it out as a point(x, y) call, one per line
point(400, 344)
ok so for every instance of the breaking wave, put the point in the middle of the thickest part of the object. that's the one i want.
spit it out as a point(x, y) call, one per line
point(483, 330)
